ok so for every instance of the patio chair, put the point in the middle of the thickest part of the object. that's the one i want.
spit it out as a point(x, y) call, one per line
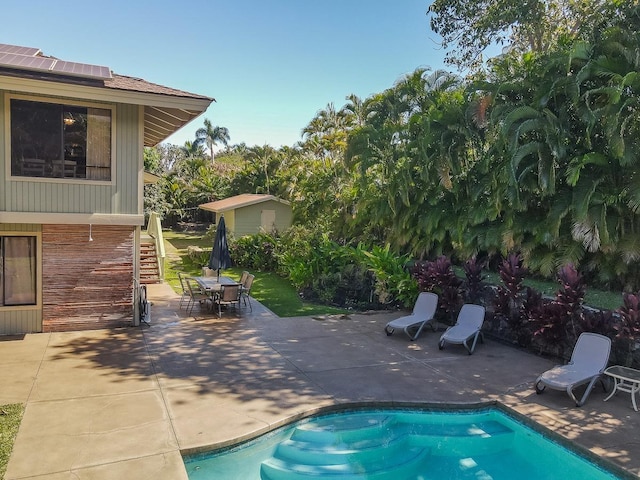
point(588, 360)
point(185, 289)
point(468, 327)
point(243, 277)
point(196, 294)
point(208, 272)
point(229, 295)
point(245, 289)
point(423, 312)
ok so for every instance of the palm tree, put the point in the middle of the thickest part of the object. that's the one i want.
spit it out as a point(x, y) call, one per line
point(262, 156)
point(192, 149)
point(211, 136)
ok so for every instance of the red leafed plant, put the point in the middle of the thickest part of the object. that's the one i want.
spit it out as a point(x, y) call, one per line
point(438, 276)
point(629, 324)
point(628, 327)
point(558, 322)
point(473, 271)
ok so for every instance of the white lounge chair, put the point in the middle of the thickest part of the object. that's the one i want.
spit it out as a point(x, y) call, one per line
point(423, 312)
point(588, 360)
point(467, 327)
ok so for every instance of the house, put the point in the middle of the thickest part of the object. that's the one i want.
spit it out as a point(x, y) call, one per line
point(252, 213)
point(72, 139)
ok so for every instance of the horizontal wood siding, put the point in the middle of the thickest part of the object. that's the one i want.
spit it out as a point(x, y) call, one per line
point(87, 284)
point(248, 219)
point(121, 197)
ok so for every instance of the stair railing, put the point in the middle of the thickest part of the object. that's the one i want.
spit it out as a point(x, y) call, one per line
point(154, 230)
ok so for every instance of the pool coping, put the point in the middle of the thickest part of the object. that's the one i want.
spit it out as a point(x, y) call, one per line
point(605, 464)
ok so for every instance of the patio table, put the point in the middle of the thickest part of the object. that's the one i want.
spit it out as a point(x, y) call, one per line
point(213, 285)
point(625, 379)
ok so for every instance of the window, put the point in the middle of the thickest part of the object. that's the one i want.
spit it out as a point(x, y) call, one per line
point(17, 270)
point(51, 140)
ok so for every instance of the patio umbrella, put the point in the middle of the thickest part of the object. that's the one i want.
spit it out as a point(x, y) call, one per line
point(220, 258)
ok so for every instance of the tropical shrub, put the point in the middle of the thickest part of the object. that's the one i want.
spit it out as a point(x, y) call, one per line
point(557, 323)
point(438, 276)
point(393, 280)
point(198, 256)
point(628, 328)
point(255, 252)
point(508, 302)
point(474, 277)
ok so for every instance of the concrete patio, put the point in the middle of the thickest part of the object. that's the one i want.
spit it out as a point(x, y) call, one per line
point(110, 404)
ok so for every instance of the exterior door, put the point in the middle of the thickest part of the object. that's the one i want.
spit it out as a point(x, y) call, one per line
point(268, 220)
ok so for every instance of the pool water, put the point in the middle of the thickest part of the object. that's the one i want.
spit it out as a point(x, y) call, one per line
point(392, 444)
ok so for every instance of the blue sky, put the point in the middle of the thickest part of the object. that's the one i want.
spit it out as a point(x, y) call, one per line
point(270, 65)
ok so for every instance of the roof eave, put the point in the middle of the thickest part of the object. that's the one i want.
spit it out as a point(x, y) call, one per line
point(211, 208)
point(164, 114)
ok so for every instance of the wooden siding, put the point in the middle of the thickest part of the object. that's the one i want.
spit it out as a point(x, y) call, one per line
point(87, 284)
point(59, 196)
point(248, 219)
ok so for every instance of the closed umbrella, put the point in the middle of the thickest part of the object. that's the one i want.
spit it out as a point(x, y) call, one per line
point(220, 258)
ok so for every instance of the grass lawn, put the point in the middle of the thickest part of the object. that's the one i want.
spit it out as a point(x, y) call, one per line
point(273, 291)
point(602, 299)
point(10, 416)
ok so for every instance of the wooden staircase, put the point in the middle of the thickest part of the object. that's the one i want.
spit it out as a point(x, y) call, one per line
point(149, 271)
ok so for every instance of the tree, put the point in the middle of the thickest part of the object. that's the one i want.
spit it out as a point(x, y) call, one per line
point(471, 26)
point(192, 149)
point(261, 157)
point(211, 136)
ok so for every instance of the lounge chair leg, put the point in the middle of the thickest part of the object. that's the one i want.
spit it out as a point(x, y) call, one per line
point(473, 345)
point(586, 392)
point(413, 338)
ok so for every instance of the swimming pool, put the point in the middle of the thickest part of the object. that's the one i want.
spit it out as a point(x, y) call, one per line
point(398, 444)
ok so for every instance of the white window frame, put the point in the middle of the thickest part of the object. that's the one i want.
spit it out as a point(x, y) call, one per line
point(57, 101)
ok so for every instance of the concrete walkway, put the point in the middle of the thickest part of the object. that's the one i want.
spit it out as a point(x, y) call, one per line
point(112, 404)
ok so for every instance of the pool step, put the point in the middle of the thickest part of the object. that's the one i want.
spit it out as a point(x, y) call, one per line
point(382, 467)
point(482, 437)
point(350, 429)
point(377, 446)
point(360, 452)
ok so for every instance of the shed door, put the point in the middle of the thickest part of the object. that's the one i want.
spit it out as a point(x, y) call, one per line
point(268, 220)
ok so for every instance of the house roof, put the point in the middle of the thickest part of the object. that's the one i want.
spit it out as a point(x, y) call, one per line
point(166, 109)
point(239, 201)
point(160, 121)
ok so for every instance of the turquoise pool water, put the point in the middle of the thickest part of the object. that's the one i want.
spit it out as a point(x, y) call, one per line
point(381, 444)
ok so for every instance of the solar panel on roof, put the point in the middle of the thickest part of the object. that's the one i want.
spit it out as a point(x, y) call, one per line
point(81, 70)
point(27, 58)
point(6, 48)
point(26, 62)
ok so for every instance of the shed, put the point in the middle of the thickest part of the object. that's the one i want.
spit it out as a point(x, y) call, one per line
point(249, 213)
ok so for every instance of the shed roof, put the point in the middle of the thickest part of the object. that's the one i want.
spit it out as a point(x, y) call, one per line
point(166, 109)
point(244, 200)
